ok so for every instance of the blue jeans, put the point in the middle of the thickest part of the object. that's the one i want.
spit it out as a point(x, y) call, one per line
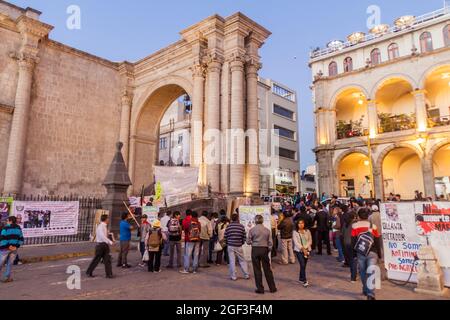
point(364, 263)
point(189, 248)
point(166, 244)
point(7, 259)
point(303, 262)
point(233, 253)
point(340, 249)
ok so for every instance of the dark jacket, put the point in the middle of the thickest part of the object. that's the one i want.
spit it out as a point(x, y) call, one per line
point(323, 221)
point(286, 228)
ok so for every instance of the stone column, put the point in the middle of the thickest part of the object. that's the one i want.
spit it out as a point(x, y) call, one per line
point(326, 175)
point(428, 178)
point(212, 152)
point(197, 120)
point(19, 127)
point(237, 166)
point(421, 110)
point(125, 126)
point(378, 183)
point(322, 127)
point(225, 126)
point(252, 165)
point(372, 118)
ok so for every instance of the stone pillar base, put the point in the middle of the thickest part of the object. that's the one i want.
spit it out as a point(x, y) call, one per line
point(430, 279)
point(444, 293)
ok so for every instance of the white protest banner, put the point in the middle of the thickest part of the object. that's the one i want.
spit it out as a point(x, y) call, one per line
point(177, 199)
point(176, 180)
point(50, 218)
point(247, 216)
point(152, 213)
point(404, 226)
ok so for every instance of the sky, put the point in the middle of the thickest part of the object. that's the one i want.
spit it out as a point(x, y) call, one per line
point(129, 30)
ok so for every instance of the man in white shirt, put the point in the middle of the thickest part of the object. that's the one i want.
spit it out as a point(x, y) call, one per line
point(205, 236)
point(165, 230)
point(102, 251)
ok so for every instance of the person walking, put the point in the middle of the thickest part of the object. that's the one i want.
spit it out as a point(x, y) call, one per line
point(322, 219)
point(366, 243)
point(220, 231)
point(260, 238)
point(125, 240)
point(11, 238)
point(145, 227)
point(302, 246)
point(192, 230)
point(164, 221)
point(175, 230)
point(286, 227)
point(102, 250)
point(155, 243)
point(205, 237)
point(235, 237)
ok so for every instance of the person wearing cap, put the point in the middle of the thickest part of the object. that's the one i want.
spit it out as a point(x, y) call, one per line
point(145, 227)
point(154, 245)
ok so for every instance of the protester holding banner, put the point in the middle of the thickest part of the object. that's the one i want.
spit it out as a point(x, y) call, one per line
point(260, 238)
point(102, 250)
point(11, 238)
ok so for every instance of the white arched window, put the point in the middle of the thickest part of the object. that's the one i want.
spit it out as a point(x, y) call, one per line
point(332, 69)
point(426, 42)
point(393, 52)
point(348, 64)
point(375, 56)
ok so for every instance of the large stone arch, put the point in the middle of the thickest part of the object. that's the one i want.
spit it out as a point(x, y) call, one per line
point(429, 71)
point(379, 84)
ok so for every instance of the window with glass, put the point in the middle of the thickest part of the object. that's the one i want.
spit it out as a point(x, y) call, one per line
point(282, 92)
point(348, 64)
point(163, 143)
point(332, 69)
point(375, 56)
point(180, 139)
point(284, 132)
point(283, 112)
point(447, 35)
point(286, 153)
point(393, 51)
point(426, 42)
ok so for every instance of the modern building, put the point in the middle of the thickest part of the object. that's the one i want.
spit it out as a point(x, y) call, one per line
point(278, 111)
point(308, 183)
point(277, 114)
point(382, 109)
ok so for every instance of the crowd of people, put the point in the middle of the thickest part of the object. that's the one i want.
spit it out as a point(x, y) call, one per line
point(302, 229)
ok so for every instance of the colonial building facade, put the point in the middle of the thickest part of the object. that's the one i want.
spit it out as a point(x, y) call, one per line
point(382, 106)
point(63, 110)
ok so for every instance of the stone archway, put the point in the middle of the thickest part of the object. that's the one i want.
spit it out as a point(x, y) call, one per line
point(216, 63)
point(353, 174)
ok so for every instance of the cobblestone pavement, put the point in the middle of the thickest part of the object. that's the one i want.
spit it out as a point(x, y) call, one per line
point(329, 281)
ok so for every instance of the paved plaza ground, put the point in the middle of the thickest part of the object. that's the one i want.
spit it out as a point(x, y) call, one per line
point(329, 281)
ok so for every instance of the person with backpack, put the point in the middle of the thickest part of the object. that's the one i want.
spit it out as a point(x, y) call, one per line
point(154, 241)
point(174, 228)
point(367, 247)
point(192, 231)
point(205, 237)
point(11, 238)
point(235, 237)
point(220, 232)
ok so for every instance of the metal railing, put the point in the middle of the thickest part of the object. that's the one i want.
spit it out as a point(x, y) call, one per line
point(394, 29)
point(396, 123)
point(349, 130)
point(86, 216)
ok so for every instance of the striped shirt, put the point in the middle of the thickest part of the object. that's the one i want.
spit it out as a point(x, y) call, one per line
point(235, 235)
point(11, 235)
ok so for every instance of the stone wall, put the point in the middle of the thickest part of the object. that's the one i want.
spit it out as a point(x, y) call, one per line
point(5, 127)
point(74, 123)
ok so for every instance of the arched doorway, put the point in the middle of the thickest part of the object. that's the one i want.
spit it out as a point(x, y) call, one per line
point(354, 176)
point(149, 127)
point(402, 173)
point(441, 169)
point(175, 133)
point(437, 88)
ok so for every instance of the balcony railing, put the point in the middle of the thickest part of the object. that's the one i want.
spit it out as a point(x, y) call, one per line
point(350, 129)
point(439, 121)
point(392, 123)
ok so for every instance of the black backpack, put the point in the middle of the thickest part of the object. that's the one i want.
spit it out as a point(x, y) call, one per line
point(365, 242)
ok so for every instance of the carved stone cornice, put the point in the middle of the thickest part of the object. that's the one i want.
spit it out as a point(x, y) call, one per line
point(127, 98)
point(32, 27)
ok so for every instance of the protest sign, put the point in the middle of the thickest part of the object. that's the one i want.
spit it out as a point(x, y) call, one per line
point(177, 199)
point(176, 180)
point(42, 219)
point(5, 208)
point(152, 213)
point(406, 227)
point(247, 216)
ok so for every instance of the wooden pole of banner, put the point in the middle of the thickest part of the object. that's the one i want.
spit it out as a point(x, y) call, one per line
point(132, 215)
